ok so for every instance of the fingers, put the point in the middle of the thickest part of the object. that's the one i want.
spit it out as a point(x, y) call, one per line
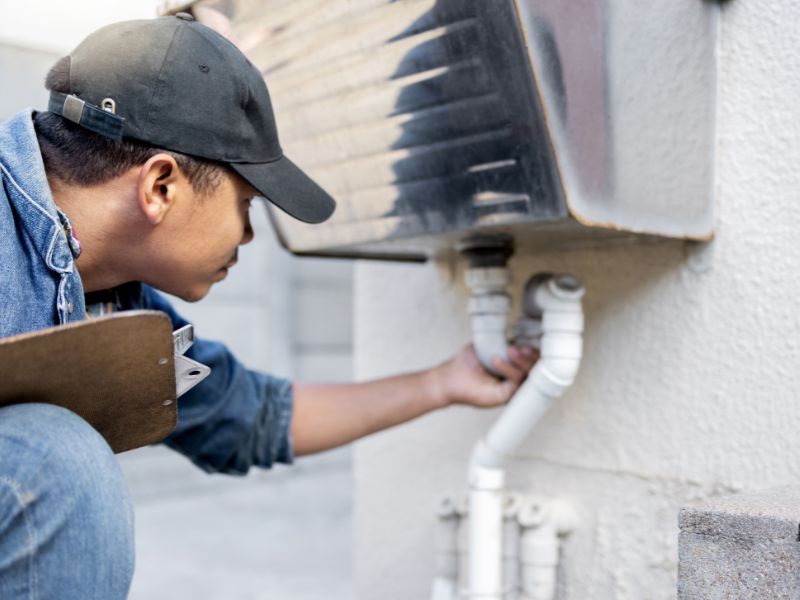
point(520, 361)
point(508, 370)
point(523, 357)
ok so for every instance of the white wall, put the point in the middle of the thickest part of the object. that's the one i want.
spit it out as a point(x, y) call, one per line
point(22, 72)
point(59, 25)
point(691, 371)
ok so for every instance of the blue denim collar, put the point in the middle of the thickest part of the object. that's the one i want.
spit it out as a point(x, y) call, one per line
point(22, 165)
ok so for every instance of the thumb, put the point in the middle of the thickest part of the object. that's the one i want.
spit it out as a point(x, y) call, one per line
point(507, 389)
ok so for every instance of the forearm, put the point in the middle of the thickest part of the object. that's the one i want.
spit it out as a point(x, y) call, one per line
point(328, 415)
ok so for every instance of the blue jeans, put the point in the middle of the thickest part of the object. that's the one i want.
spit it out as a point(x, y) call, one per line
point(66, 521)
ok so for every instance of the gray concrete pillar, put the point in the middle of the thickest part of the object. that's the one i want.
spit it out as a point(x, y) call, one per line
point(741, 546)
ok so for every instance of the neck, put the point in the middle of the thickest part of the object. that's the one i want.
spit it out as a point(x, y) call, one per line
point(99, 220)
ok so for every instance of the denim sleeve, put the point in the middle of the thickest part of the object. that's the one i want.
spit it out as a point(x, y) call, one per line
point(235, 418)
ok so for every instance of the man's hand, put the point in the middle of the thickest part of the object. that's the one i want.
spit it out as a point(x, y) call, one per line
point(328, 415)
point(463, 380)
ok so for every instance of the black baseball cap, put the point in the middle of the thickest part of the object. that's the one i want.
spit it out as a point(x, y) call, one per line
point(174, 83)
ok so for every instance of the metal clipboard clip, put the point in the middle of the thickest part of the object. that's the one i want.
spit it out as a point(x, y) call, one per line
point(188, 372)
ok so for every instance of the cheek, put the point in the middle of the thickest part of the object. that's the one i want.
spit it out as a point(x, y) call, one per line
point(230, 233)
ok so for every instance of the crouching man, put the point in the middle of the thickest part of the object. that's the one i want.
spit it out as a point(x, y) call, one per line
point(139, 178)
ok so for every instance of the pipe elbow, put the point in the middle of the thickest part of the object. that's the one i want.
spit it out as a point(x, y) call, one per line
point(561, 353)
point(545, 292)
point(487, 350)
point(486, 466)
point(561, 371)
point(488, 320)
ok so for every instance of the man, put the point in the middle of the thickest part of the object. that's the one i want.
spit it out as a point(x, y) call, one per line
point(139, 178)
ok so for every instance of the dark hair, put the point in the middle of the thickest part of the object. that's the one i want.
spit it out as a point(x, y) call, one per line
point(78, 156)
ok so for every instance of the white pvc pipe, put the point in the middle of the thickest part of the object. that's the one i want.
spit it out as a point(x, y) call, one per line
point(485, 550)
point(444, 584)
point(443, 589)
point(512, 504)
point(540, 549)
point(489, 338)
point(559, 303)
point(488, 307)
point(463, 541)
point(541, 524)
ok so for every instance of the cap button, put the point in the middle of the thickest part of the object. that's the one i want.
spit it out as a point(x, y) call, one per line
point(185, 16)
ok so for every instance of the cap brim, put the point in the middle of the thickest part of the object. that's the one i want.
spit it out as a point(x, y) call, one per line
point(287, 187)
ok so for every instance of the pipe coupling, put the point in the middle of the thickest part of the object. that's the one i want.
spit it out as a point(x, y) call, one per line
point(547, 292)
point(483, 477)
point(493, 304)
point(563, 322)
point(528, 332)
point(484, 280)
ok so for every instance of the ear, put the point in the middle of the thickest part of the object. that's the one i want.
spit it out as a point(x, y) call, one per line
point(158, 186)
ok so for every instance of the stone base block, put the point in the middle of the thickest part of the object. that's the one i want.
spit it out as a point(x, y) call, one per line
point(745, 546)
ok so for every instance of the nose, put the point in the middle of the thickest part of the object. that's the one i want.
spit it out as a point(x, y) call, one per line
point(247, 234)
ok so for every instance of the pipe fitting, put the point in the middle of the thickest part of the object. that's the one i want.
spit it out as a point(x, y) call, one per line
point(542, 523)
point(491, 304)
point(562, 322)
point(446, 539)
point(447, 507)
point(485, 478)
point(548, 292)
point(554, 515)
point(488, 307)
point(528, 332)
point(487, 456)
point(487, 250)
point(568, 287)
point(512, 503)
point(533, 513)
point(483, 280)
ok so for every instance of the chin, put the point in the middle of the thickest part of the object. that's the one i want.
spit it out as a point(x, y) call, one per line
point(188, 291)
point(194, 295)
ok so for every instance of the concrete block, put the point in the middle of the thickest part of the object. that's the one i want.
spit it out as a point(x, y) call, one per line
point(741, 546)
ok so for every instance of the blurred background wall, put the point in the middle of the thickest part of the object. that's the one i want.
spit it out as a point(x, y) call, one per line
point(278, 534)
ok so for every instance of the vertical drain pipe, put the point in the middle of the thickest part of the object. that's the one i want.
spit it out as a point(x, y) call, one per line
point(444, 586)
point(512, 505)
point(557, 301)
point(463, 543)
point(542, 525)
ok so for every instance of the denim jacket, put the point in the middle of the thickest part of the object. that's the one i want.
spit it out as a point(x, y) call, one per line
point(234, 419)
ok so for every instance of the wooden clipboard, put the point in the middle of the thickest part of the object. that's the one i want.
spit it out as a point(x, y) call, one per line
point(117, 372)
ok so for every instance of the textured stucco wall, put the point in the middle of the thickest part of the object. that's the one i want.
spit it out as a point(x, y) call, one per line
point(688, 388)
